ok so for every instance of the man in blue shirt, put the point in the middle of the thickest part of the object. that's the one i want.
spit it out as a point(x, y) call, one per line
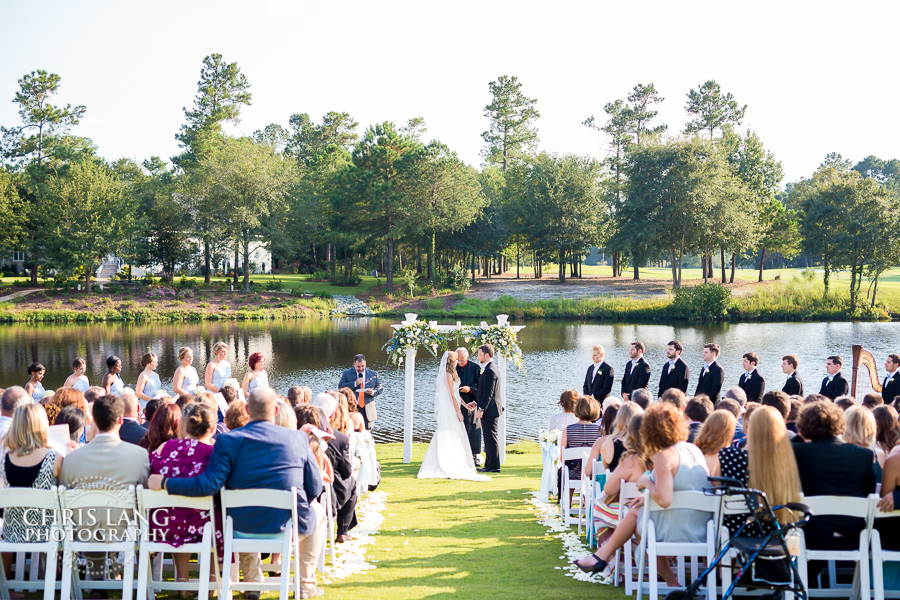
point(263, 455)
point(357, 378)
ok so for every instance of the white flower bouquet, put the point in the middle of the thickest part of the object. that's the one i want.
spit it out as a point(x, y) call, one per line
point(413, 334)
point(231, 382)
point(502, 337)
point(197, 389)
point(549, 435)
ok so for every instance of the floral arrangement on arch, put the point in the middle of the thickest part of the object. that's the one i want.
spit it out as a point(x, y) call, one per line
point(502, 337)
point(413, 334)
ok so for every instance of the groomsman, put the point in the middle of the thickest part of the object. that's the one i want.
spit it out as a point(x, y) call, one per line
point(598, 380)
point(675, 373)
point(637, 371)
point(751, 381)
point(834, 385)
point(891, 386)
point(711, 374)
point(469, 372)
point(794, 384)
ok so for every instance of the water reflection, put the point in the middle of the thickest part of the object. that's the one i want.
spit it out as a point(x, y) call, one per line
point(313, 352)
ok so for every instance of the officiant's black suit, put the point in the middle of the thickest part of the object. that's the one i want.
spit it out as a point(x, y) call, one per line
point(487, 398)
point(711, 381)
point(600, 385)
point(754, 386)
point(837, 387)
point(636, 376)
point(676, 377)
point(794, 385)
point(468, 376)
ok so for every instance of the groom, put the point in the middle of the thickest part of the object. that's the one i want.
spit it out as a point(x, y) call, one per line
point(487, 399)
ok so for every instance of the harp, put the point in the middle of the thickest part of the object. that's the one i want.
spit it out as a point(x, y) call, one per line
point(865, 373)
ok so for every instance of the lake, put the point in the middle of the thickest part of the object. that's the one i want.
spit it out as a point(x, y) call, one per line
point(313, 352)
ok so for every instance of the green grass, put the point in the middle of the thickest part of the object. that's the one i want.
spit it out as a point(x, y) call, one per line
point(291, 282)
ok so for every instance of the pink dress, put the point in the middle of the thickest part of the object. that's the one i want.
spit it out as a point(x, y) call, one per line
point(179, 526)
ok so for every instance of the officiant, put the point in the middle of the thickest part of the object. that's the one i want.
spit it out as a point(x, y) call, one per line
point(468, 372)
point(359, 378)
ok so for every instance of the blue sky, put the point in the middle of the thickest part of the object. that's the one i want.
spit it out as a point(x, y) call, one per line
point(817, 77)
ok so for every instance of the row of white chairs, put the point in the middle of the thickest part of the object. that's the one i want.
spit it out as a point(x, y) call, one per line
point(137, 541)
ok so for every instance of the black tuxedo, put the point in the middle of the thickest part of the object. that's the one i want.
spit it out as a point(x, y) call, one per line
point(891, 389)
point(600, 385)
point(344, 485)
point(636, 376)
point(488, 399)
point(468, 376)
point(132, 432)
point(830, 467)
point(711, 381)
point(794, 385)
point(837, 387)
point(677, 378)
point(754, 387)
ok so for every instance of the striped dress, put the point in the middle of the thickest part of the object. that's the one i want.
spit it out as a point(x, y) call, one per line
point(580, 435)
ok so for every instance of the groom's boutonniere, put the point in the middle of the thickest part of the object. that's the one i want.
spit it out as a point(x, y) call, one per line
point(482, 367)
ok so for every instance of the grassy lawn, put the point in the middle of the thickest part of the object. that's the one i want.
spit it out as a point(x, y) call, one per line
point(466, 539)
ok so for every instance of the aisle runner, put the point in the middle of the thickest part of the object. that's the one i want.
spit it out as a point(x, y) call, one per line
point(574, 549)
point(351, 555)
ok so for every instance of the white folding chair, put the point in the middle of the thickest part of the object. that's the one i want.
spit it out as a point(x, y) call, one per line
point(653, 548)
point(287, 544)
point(847, 507)
point(627, 493)
point(569, 486)
point(148, 501)
point(41, 506)
point(585, 494)
point(881, 556)
point(104, 504)
point(328, 542)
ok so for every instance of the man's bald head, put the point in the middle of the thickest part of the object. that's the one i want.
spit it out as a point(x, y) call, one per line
point(12, 398)
point(261, 404)
point(130, 400)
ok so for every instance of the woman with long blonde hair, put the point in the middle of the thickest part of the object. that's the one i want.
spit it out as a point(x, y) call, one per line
point(771, 463)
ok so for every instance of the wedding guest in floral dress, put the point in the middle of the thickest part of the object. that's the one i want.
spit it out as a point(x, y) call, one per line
point(186, 457)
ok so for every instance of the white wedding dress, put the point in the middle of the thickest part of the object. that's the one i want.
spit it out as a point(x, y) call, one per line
point(449, 455)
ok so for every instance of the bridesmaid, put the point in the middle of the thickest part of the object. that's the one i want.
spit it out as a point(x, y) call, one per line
point(219, 369)
point(34, 387)
point(186, 378)
point(112, 381)
point(78, 380)
point(257, 377)
point(148, 381)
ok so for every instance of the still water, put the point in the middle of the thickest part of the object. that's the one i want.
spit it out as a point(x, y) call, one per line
point(313, 352)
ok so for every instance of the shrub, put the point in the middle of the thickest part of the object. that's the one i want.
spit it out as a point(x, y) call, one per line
point(345, 279)
point(319, 276)
point(274, 285)
point(457, 278)
point(322, 294)
point(147, 278)
point(435, 303)
point(224, 307)
point(203, 304)
point(705, 301)
point(186, 284)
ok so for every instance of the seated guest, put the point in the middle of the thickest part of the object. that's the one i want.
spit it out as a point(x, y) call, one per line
point(872, 401)
point(642, 397)
point(630, 468)
point(131, 431)
point(887, 431)
point(51, 410)
point(75, 418)
point(236, 416)
point(229, 393)
point(737, 394)
point(357, 424)
point(675, 397)
point(613, 448)
point(860, 430)
point(845, 402)
point(677, 466)
point(567, 401)
point(815, 398)
point(308, 420)
point(338, 452)
point(782, 403)
point(697, 410)
point(830, 467)
point(734, 408)
point(149, 411)
point(28, 463)
point(796, 405)
point(583, 433)
point(284, 416)
point(293, 395)
point(206, 397)
point(716, 435)
point(607, 428)
point(263, 455)
point(12, 398)
point(165, 426)
point(889, 529)
point(186, 457)
point(108, 463)
point(340, 420)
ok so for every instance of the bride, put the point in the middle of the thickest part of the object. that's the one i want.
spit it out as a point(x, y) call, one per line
point(449, 455)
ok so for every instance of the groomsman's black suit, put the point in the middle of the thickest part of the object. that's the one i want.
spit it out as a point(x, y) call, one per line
point(794, 385)
point(674, 377)
point(754, 386)
point(600, 385)
point(468, 376)
point(488, 400)
point(636, 376)
point(837, 387)
point(890, 388)
point(711, 381)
